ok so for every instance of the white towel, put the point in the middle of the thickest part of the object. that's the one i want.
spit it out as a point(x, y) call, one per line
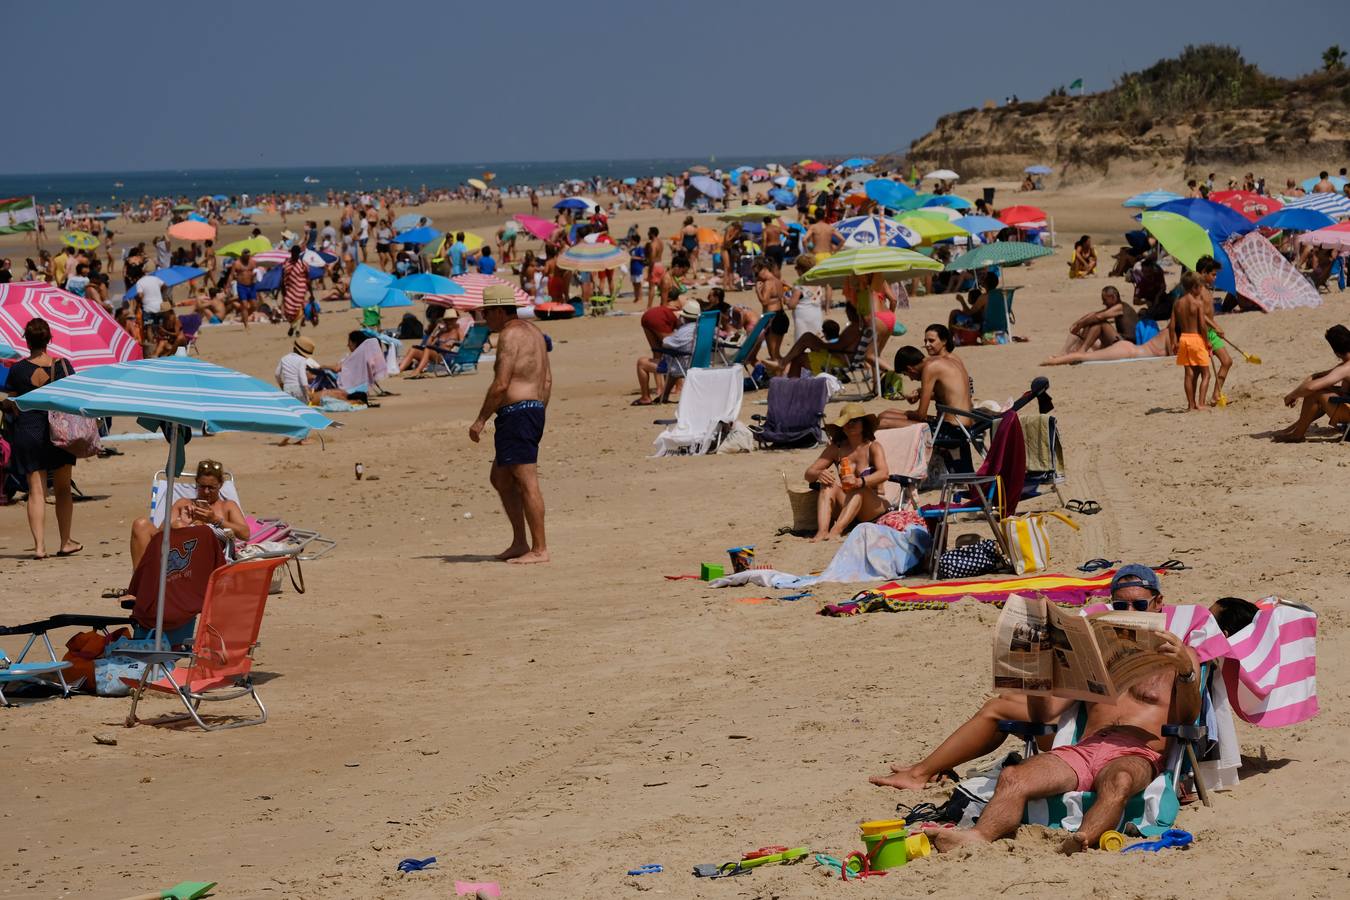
point(710, 398)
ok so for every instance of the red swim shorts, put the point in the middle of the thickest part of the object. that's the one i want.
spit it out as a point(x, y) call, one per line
point(1089, 756)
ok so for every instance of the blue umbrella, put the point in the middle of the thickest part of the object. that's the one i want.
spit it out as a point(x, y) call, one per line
point(979, 224)
point(951, 201)
point(171, 276)
point(1295, 219)
point(177, 393)
point(887, 193)
point(196, 217)
point(8, 352)
point(1225, 280)
point(418, 236)
point(572, 203)
point(410, 220)
point(1219, 220)
point(857, 162)
point(219, 197)
point(426, 283)
point(371, 287)
point(1337, 182)
point(782, 197)
point(708, 186)
point(875, 231)
point(1038, 170)
point(1150, 199)
point(271, 279)
point(630, 181)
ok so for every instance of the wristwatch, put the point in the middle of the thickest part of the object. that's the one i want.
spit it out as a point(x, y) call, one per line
point(1188, 678)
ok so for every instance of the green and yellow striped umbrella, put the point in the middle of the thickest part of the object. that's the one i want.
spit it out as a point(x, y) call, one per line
point(748, 212)
point(930, 227)
point(891, 261)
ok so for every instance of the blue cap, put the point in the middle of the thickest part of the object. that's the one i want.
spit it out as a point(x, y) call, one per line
point(1135, 575)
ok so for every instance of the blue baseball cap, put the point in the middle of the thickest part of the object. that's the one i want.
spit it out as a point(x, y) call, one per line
point(1135, 575)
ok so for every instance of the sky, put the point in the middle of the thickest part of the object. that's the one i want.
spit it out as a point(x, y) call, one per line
point(141, 84)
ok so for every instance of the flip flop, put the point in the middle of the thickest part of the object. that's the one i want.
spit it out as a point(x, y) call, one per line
point(70, 552)
point(114, 593)
point(638, 402)
point(1172, 565)
point(1096, 565)
point(1086, 507)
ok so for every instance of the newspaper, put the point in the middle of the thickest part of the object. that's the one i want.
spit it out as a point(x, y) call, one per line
point(1042, 649)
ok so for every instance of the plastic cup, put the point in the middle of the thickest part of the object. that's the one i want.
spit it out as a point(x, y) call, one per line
point(742, 558)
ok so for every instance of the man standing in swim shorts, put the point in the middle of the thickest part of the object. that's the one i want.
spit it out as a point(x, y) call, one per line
point(244, 273)
point(519, 393)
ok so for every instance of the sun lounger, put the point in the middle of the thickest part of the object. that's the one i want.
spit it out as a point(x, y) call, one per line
point(220, 661)
point(796, 410)
point(39, 671)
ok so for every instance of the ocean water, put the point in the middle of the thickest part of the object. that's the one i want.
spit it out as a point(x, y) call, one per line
point(102, 188)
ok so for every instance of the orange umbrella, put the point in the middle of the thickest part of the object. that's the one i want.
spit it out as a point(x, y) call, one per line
point(709, 236)
point(192, 230)
point(856, 199)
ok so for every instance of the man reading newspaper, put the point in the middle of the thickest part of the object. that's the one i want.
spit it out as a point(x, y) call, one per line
point(1134, 680)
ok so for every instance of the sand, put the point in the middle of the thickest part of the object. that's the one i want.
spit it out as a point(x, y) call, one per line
point(551, 727)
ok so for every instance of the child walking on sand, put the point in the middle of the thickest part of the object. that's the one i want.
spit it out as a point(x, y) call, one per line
point(1207, 267)
point(1186, 331)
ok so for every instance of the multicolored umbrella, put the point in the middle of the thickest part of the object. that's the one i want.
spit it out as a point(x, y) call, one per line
point(1335, 205)
point(1023, 217)
point(999, 253)
point(469, 292)
point(540, 228)
point(1335, 237)
point(1251, 206)
point(82, 330)
point(875, 231)
point(192, 230)
point(80, 240)
point(597, 257)
point(252, 245)
point(1150, 199)
point(1262, 274)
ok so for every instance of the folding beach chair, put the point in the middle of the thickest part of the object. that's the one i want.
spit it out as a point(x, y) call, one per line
point(700, 357)
point(190, 324)
point(1041, 435)
point(796, 410)
point(856, 370)
point(998, 311)
point(972, 428)
point(31, 673)
point(39, 672)
point(220, 661)
point(709, 404)
point(465, 357)
point(744, 349)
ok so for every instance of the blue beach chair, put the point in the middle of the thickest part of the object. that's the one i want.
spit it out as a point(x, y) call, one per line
point(700, 357)
point(465, 357)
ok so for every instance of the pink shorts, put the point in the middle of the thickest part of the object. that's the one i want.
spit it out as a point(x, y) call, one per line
point(1089, 756)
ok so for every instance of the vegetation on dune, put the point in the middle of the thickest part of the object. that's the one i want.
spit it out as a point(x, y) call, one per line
point(1208, 77)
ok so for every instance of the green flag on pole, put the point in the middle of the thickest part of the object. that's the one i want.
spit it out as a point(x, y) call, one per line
point(913, 173)
point(1077, 83)
point(17, 214)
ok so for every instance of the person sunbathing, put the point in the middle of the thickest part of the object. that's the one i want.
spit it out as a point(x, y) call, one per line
point(970, 314)
point(820, 352)
point(1115, 321)
point(442, 339)
point(207, 508)
point(1084, 261)
point(851, 472)
point(1121, 751)
point(1155, 347)
point(1317, 390)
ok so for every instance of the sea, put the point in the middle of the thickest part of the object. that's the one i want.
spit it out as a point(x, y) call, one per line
point(113, 188)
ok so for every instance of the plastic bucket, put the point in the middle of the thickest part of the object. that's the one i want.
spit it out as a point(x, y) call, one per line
point(880, 826)
point(886, 850)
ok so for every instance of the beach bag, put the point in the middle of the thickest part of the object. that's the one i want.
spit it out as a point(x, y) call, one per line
point(1029, 540)
point(83, 651)
point(979, 558)
point(803, 502)
point(76, 435)
point(109, 670)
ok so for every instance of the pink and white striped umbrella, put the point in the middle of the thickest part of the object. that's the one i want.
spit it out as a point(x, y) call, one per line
point(82, 330)
point(540, 228)
point(472, 298)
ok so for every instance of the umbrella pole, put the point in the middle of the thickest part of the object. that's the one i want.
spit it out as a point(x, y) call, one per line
point(169, 471)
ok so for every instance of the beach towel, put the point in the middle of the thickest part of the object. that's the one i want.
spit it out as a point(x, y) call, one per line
point(1007, 458)
point(870, 552)
point(907, 449)
point(710, 399)
point(1036, 436)
point(1065, 590)
point(364, 368)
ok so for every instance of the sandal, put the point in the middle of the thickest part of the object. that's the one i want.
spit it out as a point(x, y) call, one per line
point(1096, 565)
point(640, 402)
point(1086, 507)
point(114, 593)
point(1172, 565)
point(70, 552)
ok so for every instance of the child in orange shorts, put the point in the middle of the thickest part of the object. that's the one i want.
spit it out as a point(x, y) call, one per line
point(1186, 331)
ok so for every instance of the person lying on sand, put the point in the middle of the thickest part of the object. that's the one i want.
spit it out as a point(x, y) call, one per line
point(1122, 748)
point(1317, 390)
point(1156, 346)
point(850, 471)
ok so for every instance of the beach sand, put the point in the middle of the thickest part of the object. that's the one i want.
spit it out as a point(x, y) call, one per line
point(551, 727)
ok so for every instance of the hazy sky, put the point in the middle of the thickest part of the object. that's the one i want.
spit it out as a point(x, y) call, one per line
point(100, 86)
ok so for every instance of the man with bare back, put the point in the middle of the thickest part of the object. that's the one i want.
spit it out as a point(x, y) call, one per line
point(519, 393)
point(942, 379)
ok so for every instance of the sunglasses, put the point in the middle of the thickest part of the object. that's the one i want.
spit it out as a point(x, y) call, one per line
point(1136, 605)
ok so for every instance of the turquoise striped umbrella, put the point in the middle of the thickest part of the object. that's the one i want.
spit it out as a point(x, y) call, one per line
point(999, 253)
point(181, 393)
point(597, 257)
point(1150, 199)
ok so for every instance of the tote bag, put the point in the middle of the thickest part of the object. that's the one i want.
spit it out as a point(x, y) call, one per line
point(1029, 540)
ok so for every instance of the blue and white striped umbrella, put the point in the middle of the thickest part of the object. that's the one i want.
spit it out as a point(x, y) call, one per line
point(874, 231)
point(1150, 199)
point(180, 390)
point(1335, 205)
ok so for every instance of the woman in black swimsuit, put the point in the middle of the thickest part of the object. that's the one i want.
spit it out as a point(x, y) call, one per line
point(34, 453)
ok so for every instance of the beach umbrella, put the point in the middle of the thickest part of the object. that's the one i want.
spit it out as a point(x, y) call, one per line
point(372, 287)
point(252, 245)
point(1335, 237)
point(79, 240)
point(816, 167)
point(192, 230)
point(1217, 219)
point(1184, 239)
point(219, 198)
point(408, 221)
point(858, 162)
point(195, 217)
point(418, 236)
point(876, 231)
point(699, 170)
point(748, 212)
point(998, 253)
point(783, 197)
point(271, 257)
point(477, 183)
point(597, 257)
point(107, 215)
point(786, 182)
point(183, 207)
point(979, 224)
point(1335, 205)
point(1150, 199)
point(468, 294)
point(1038, 170)
point(709, 236)
point(250, 211)
point(887, 193)
point(171, 276)
point(1295, 219)
point(1023, 216)
point(176, 393)
point(759, 174)
point(8, 352)
point(942, 175)
point(1336, 181)
point(931, 229)
point(426, 283)
point(82, 330)
point(708, 186)
point(1249, 205)
point(540, 228)
point(949, 200)
point(575, 203)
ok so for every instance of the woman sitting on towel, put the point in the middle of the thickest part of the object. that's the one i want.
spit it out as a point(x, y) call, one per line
point(1084, 262)
point(207, 508)
point(850, 472)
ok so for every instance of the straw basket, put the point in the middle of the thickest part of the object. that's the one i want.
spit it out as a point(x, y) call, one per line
point(803, 502)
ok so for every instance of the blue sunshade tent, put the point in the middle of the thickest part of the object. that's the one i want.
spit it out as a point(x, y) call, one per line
point(411, 220)
point(1295, 219)
point(707, 186)
point(1337, 182)
point(418, 236)
point(372, 287)
point(171, 276)
point(1150, 199)
point(1219, 220)
point(426, 283)
point(887, 193)
point(177, 393)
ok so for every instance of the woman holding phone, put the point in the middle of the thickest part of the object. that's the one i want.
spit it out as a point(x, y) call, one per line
point(207, 508)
